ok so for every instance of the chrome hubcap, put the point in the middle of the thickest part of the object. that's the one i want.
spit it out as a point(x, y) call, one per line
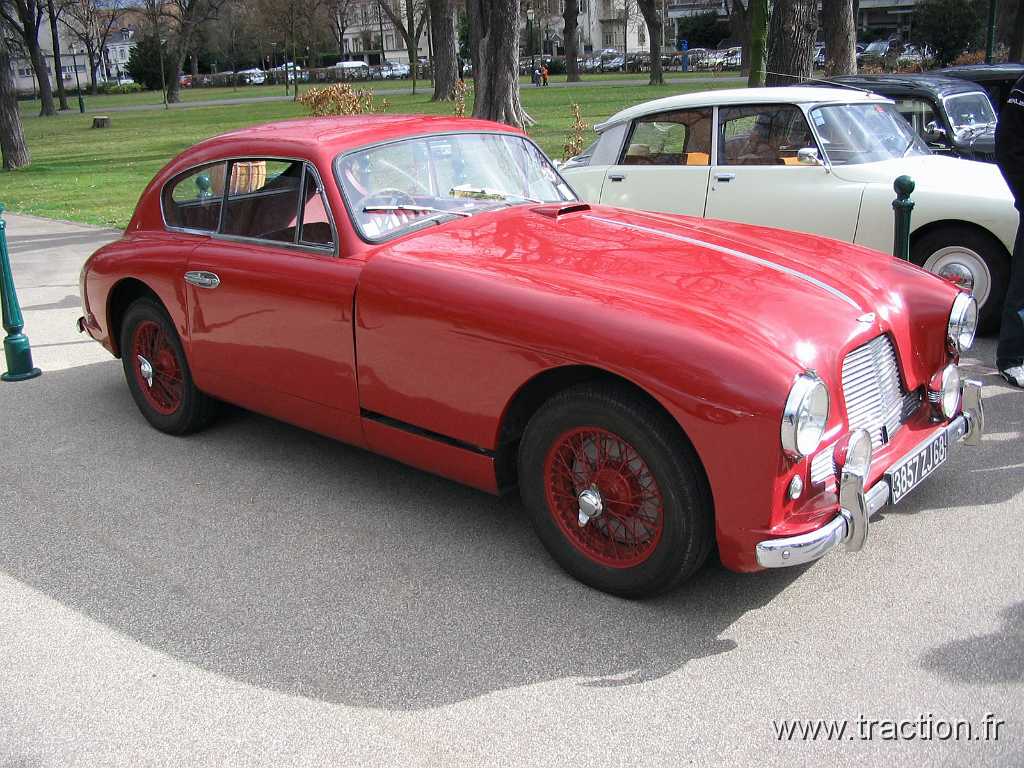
point(591, 505)
point(959, 274)
point(146, 369)
point(963, 266)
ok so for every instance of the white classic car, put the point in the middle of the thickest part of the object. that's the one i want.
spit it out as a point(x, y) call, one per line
point(816, 160)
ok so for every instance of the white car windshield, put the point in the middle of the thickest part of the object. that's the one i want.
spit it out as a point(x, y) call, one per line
point(852, 134)
point(970, 111)
point(406, 184)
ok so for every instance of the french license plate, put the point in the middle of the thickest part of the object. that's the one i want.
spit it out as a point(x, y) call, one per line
point(906, 476)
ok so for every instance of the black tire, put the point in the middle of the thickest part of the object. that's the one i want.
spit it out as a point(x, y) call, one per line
point(988, 249)
point(687, 532)
point(191, 410)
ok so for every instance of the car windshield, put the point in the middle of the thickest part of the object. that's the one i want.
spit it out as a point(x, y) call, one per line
point(405, 184)
point(865, 133)
point(970, 110)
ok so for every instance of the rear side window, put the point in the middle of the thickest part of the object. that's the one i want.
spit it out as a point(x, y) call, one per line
point(193, 200)
point(263, 200)
point(671, 138)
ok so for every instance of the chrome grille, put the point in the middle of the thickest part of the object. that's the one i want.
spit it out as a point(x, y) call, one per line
point(823, 466)
point(872, 390)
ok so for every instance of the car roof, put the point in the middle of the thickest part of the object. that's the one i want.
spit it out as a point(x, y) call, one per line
point(795, 94)
point(908, 84)
point(322, 135)
point(984, 72)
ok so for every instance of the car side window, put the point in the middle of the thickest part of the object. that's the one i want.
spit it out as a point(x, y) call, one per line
point(263, 200)
point(193, 200)
point(767, 134)
point(316, 227)
point(670, 138)
point(917, 112)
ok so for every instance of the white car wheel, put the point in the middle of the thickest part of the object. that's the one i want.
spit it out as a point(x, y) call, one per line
point(963, 266)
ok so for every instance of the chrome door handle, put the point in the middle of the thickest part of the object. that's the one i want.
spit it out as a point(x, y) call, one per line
point(202, 279)
point(725, 176)
point(616, 176)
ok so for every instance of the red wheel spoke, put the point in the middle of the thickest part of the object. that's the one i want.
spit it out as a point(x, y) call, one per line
point(164, 388)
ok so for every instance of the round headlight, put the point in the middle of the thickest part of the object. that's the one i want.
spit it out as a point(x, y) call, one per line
point(949, 400)
point(805, 414)
point(963, 322)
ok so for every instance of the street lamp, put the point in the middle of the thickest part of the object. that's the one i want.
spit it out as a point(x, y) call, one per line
point(78, 83)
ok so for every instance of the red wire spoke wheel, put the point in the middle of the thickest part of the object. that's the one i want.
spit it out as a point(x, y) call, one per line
point(157, 368)
point(632, 516)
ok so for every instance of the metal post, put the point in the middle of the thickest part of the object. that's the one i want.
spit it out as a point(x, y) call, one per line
point(990, 37)
point(902, 206)
point(16, 347)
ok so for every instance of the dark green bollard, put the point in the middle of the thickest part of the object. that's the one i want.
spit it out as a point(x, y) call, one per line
point(16, 347)
point(902, 205)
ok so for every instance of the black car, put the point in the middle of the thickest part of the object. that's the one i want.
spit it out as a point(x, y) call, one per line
point(953, 116)
point(997, 79)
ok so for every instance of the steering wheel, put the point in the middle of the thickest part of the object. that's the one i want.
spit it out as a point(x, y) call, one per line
point(386, 196)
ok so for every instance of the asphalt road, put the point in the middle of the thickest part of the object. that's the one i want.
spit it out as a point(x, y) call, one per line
point(423, 87)
point(258, 595)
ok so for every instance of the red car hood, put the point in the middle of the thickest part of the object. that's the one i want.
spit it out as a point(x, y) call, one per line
point(806, 298)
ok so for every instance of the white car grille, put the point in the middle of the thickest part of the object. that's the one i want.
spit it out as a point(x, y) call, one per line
point(872, 389)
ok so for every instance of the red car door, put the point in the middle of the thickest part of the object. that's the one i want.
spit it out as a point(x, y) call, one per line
point(270, 302)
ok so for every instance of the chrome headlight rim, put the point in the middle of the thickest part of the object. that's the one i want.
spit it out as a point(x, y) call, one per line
point(799, 438)
point(963, 323)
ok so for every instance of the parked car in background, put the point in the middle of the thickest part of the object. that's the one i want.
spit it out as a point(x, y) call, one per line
point(997, 79)
point(398, 70)
point(818, 160)
point(431, 289)
point(352, 70)
point(252, 76)
point(185, 81)
point(952, 116)
point(873, 53)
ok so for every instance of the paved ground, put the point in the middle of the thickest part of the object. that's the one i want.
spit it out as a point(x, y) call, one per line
point(257, 595)
point(423, 87)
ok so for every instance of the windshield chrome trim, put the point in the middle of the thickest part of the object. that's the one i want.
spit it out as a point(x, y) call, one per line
point(833, 291)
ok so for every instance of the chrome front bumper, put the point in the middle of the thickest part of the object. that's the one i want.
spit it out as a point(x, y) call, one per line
point(857, 504)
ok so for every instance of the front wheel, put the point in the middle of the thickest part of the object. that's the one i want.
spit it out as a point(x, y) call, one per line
point(157, 372)
point(974, 260)
point(615, 492)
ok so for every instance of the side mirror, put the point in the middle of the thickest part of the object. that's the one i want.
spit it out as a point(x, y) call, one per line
point(808, 156)
point(934, 132)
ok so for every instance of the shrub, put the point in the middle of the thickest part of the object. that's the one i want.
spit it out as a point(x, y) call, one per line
point(341, 99)
point(117, 88)
point(574, 138)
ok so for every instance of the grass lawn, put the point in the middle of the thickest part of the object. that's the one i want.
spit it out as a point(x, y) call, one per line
point(96, 176)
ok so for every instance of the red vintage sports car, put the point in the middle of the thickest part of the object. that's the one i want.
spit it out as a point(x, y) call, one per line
point(431, 289)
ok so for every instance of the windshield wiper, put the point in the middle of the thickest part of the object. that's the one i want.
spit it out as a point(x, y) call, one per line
point(413, 208)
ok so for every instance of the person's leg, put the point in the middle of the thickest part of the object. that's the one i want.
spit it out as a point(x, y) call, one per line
point(1010, 352)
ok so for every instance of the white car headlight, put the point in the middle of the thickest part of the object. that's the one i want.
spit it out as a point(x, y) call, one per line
point(805, 415)
point(963, 323)
point(944, 391)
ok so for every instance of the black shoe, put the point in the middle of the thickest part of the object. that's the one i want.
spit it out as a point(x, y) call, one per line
point(1014, 375)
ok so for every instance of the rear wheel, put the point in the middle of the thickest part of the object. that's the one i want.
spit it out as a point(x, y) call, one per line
point(614, 491)
point(974, 260)
point(157, 372)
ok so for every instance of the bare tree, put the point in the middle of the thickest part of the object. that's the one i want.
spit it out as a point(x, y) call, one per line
point(184, 18)
point(24, 17)
point(652, 17)
point(840, 37)
point(570, 37)
point(793, 27)
point(12, 137)
point(91, 22)
point(758, 42)
point(54, 11)
point(340, 14)
point(739, 29)
point(494, 32)
point(444, 60)
point(410, 29)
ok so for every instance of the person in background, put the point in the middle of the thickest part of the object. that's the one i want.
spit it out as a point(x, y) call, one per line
point(1010, 157)
point(544, 73)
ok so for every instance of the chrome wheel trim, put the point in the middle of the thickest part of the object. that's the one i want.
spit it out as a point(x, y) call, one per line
point(954, 260)
point(146, 369)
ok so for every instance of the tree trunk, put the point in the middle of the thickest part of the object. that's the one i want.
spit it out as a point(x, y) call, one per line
point(39, 65)
point(1017, 36)
point(758, 12)
point(497, 59)
point(649, 9)
point(474, 14)
point(739, 29)
point(840, 37)
point(794, 25)
point(571, 38)
point(58, 69)
point(94, 64)
point(12, 137)
point(442, 33)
